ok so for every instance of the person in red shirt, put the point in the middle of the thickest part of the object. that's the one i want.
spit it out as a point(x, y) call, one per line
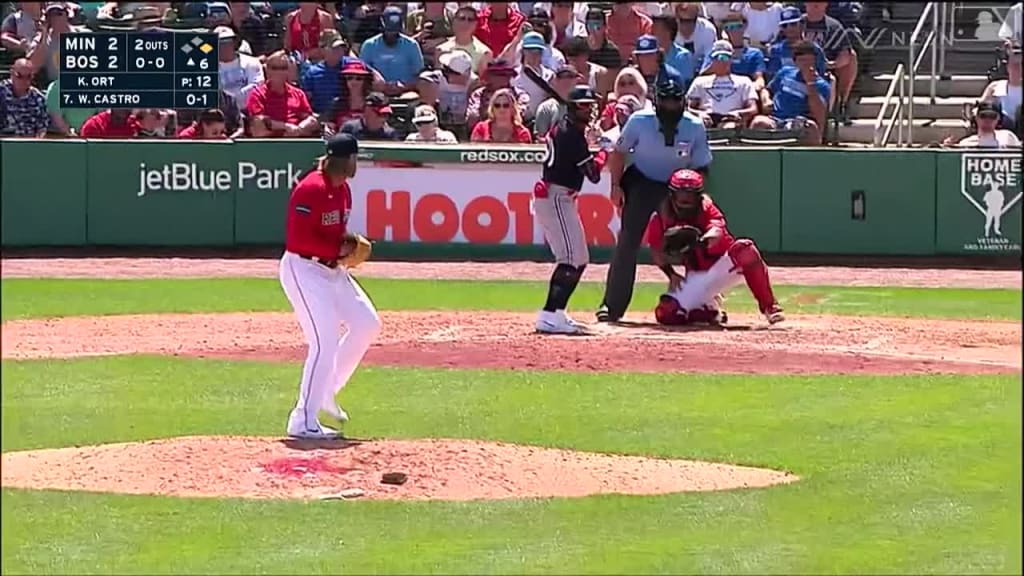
point(110, 124)
point(497, 25)
point(504, 123)
point(286, 106)
point(321, 290)
point(714, 262)
point(303, 26)
point(626, 23)
point(209, 126)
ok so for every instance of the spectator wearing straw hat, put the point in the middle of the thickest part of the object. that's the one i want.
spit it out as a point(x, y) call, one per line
point(427, 130)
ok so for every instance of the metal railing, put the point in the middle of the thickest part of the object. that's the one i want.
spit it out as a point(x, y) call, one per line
point(905, 78)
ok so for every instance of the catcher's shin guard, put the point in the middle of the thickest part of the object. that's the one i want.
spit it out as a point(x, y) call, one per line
point(747, 258)
point(669, 313)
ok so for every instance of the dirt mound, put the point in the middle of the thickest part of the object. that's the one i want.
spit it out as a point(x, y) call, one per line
point(264, 468)
point(803, 345)
point(540, 271)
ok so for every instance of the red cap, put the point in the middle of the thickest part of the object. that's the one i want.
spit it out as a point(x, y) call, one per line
point(686, 180)
point(355, 67)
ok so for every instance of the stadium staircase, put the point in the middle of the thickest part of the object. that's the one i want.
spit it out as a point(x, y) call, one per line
point(970, 53)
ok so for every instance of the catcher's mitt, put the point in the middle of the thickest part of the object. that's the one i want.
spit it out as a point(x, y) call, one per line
point(354, 251)
point(680, 240)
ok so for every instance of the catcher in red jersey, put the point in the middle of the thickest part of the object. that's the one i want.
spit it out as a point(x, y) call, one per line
point(688, 229)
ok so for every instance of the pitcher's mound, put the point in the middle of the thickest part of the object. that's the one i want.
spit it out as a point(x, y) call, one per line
point(250, 467)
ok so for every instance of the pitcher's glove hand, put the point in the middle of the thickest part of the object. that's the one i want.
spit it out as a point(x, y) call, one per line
point(680, 240)
point(355, 250)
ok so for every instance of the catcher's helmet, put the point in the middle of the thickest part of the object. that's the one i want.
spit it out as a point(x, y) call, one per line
point(582, 94)
point(686, 181)
point(668, 88)
point(686, 188)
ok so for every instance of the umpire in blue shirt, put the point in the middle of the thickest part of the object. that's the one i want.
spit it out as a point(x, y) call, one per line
point(653, 144)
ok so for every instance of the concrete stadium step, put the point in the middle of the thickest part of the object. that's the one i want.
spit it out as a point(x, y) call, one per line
point(943, 108)
point(960, 85)
point(925, 131)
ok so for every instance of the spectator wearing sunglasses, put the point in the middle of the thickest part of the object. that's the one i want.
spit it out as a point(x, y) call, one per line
point(504, 123)
point(373, 124)
point(791, 33)
point(24, 105)
point(498, 76)
point(696, 33)
point(645, 59)
point(603, 51)
point(987, 135)
point(722, 99)
point(285, 105)
point(396, 56)
point(746, 60)
point(464, 27)
point(538, 33)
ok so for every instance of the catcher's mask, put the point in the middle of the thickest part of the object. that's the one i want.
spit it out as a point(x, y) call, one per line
point(685, 190)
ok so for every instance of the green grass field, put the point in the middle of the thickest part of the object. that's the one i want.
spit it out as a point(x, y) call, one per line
point(899, 474)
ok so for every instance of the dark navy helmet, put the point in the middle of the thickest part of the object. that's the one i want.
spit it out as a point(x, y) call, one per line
point(582, 94)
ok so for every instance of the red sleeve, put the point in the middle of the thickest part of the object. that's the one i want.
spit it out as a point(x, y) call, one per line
point(523, 135)
point(256, 104)
point(481, 132)
point(711, 216)
point(189, 132)
point(309, 199)
point(91, 128)
point(304, 110)
point(655, 234)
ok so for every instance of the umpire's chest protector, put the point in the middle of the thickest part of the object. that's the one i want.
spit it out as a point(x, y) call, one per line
point(645, 144)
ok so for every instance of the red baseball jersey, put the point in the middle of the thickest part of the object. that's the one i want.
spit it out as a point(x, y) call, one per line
point(317, 217)
point(709, 217)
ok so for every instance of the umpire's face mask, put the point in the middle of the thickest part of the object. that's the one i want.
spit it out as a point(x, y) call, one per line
point(669, 111)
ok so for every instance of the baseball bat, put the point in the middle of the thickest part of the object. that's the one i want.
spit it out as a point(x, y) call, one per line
point(543, 84)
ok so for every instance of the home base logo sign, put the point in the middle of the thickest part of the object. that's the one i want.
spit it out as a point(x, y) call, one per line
point(991, 182)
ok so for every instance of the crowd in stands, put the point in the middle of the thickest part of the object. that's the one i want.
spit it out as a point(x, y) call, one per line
point(449, 72)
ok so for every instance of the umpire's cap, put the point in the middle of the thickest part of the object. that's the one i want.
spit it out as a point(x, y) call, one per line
point(668, 88)
point(342, 145)
point(582, 94)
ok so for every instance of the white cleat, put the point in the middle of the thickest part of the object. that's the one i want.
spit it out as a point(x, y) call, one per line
point(319, 433)
point(775, 315)
point(555, 323)
point(336, 412)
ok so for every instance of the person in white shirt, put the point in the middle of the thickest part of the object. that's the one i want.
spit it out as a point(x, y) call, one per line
point(987, 117)
point(722, 99)
point(456, 84)
point(238, 73)
point(425, 120)
point(1010, 29)
point(715, 11)
point(533, 55)
point(1007, 92)
point(696, 33)
point(463, 27)
point(762, 21)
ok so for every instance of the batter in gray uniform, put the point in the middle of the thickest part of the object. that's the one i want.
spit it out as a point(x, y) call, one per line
point(568, 161)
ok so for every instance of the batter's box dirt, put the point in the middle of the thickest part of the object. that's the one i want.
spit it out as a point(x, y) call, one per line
point(263, 468)
point(802, 345)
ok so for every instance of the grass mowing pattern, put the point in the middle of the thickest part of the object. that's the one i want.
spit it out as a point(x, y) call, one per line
point(30, 298)
point(900, 474)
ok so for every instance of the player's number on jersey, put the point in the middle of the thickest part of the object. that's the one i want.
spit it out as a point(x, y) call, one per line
point(549, 151)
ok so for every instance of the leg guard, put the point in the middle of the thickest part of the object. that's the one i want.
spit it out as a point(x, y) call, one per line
point(669, 313)
point(746, 257)
point(563, 283)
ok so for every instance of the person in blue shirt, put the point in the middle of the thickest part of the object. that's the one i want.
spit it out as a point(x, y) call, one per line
point(322, 81)
point(800, 97)
point(747, 60)
point(791, 32)
point(646, 60)
point(396, 56)
point(652, 145)
point(665, 28)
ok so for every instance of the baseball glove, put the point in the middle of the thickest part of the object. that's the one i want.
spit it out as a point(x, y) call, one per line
point(679, 240)
point(354, 250)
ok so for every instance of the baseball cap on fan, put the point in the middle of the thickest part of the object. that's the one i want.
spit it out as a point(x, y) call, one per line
point(790, 15)
point(534, 41)
point(720, 50)
point(392, 19)
point(378, 102)
point(56, 7)
point(224, 33)
point(646, 44)
point(458, 61)
point(424, 114)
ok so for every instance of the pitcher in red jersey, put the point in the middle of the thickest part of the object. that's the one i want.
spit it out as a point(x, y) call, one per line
point(322, 291)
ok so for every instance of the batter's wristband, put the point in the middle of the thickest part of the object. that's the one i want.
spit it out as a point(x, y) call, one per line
point(668, 270)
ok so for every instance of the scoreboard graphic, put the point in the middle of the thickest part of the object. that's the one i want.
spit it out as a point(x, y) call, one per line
point(138, 70)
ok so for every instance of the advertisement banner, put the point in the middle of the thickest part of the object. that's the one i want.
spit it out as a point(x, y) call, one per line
point(979, 203)
point(458, 204)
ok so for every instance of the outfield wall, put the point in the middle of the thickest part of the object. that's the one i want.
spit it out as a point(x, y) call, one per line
point(475, 201)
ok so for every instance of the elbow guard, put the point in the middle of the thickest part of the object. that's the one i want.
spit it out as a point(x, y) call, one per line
point(600, 159)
